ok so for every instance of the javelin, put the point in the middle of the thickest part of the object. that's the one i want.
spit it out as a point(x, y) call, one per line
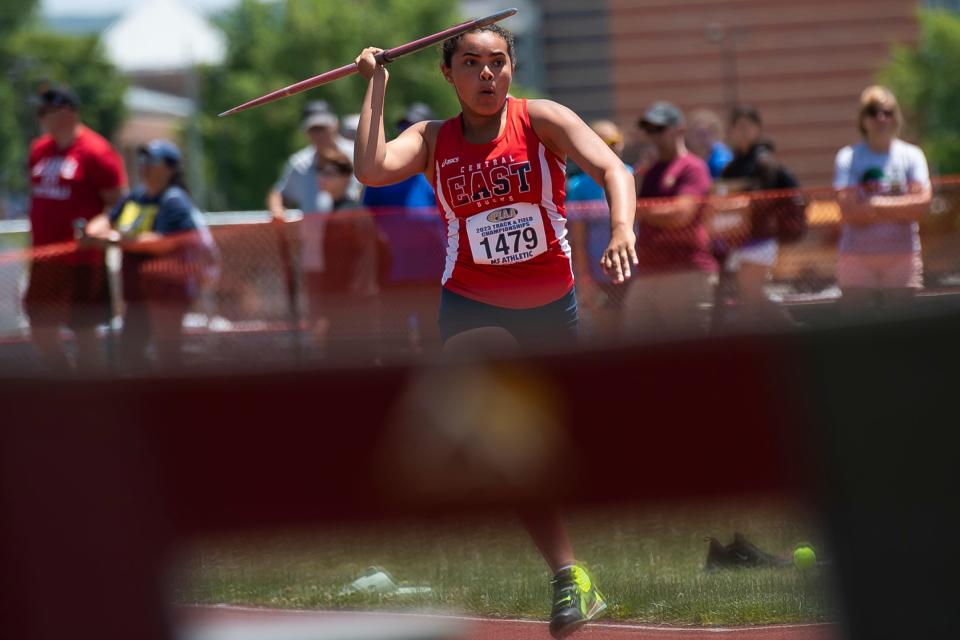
point(388, 55)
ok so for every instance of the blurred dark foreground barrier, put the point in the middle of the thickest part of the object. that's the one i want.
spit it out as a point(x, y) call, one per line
point(103, 478)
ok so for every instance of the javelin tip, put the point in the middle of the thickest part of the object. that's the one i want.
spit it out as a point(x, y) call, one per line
point(496, 17)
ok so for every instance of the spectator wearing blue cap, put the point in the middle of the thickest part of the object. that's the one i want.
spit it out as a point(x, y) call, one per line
point(167, 254)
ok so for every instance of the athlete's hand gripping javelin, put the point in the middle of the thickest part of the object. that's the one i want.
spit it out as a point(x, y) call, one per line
point(377, 162)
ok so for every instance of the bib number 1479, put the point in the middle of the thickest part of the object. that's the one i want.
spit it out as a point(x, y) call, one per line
point(510, 243)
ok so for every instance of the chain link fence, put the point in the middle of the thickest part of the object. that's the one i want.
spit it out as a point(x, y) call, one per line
point(325, 287)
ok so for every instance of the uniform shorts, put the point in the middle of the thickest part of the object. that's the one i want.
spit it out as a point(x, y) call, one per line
point(554, 324)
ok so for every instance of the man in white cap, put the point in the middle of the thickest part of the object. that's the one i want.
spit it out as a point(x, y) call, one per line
point(298, 185)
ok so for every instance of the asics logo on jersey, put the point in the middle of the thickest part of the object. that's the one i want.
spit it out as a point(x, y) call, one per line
point(502, 214)
point(449, 161)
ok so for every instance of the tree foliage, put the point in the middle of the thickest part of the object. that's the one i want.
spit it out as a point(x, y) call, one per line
point(275, 44)
point(13, 14)
point(31, 56)
point(926, 83)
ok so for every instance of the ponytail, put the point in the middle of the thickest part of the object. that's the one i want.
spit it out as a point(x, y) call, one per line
point(178, 180)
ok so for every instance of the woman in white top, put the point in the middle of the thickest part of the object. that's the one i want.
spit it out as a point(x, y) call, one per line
point(883, 187)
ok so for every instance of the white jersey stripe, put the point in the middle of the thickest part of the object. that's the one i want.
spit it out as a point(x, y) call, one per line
point(557, 221)
point(453, 230)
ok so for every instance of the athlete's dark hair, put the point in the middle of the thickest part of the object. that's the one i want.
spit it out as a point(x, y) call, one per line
point(450, 45)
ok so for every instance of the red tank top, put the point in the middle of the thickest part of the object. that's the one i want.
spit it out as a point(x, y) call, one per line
point(503, 205)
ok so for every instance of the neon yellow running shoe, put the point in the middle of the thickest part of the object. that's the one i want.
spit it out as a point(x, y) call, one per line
point(576, 600)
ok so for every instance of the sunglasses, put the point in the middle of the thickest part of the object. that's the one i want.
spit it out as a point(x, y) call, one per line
point(874, 111)
point(652, 129)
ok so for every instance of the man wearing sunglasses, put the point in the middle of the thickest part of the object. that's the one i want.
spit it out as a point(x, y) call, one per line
point(673, 284)
point(75, 175)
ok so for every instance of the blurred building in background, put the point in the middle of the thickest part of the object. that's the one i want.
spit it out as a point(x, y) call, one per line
point(803, 64)
point(157, 44)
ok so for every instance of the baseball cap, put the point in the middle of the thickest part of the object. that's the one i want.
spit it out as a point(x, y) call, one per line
point(416, 112)
point(317, 113)
point(313, 106)
point(161, 150)
point(662, 114)
point(54, 96)
point(349, 124)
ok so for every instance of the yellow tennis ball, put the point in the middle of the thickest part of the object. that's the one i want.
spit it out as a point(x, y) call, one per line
point(804, 557)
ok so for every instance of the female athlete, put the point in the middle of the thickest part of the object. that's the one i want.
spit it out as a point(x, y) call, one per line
point(498, 172)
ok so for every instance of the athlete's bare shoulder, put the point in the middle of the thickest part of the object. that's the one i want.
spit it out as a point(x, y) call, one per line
point(550, 120)
point(543, 110)
point(430, 130)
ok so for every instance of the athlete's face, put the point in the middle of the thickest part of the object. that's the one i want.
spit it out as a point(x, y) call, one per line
point(481, 71)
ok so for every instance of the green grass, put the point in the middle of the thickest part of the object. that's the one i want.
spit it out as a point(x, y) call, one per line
point(649, 565)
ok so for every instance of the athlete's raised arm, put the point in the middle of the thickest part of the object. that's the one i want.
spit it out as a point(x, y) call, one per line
point(566, 134)
point(376, 161)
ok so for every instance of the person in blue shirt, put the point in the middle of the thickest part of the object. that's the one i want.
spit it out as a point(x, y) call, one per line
point(588, 212)
point(406, 213)
point(168, 253)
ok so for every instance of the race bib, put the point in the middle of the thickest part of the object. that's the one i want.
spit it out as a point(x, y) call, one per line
point(507, 235)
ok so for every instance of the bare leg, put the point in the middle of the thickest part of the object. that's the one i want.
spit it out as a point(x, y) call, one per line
point(547, 531)
point(167, 323)
point(484, 341)
point(544, 525)
point(88, 349)
point(47, 341)
point(135, 336)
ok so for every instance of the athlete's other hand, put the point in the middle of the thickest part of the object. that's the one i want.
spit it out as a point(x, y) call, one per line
point(367, 64)
point(620, 254)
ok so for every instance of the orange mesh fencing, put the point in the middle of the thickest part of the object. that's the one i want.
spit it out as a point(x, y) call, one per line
point(369, 280)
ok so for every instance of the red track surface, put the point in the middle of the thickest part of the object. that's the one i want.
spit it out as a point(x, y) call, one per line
point(387, 626)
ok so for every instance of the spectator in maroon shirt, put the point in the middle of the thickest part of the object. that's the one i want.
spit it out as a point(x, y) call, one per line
point(673, 284)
